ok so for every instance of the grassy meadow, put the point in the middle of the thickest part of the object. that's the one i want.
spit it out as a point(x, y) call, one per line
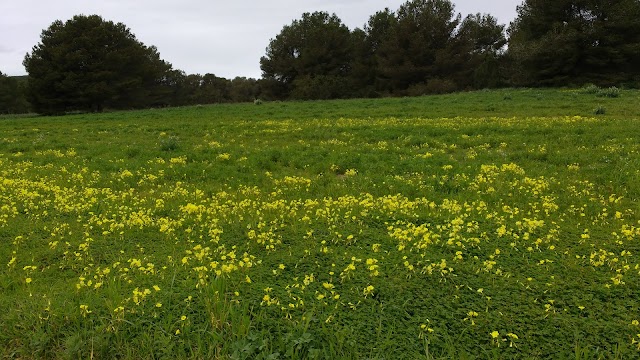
point(486, 225)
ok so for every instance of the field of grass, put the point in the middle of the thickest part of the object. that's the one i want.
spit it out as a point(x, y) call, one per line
point(491, 225)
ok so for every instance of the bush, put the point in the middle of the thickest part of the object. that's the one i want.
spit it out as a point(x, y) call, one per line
point(169, 143)
point(590, 89)
point(600, 110)
point(612, 92)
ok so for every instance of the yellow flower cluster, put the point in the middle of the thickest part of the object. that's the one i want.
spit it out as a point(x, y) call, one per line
point(126, 235)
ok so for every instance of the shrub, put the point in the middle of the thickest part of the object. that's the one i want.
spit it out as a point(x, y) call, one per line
point(612, 92)
point(600, 110)
point(169, 143)
point(590, 89)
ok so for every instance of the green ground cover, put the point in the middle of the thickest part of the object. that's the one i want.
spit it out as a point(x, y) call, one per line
point(492, 224)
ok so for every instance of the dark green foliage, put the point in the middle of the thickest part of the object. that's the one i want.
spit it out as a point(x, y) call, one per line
point(369, 47)
point(426, 48)
point(321, 87)
point(318, 45)
point(89, 64)
point(12, 96)
point(244, 89)
point(179, 88)
point(212, 89)
point(183, 89)
point(414, 52)
point(479, 41)
point(576, 42)
point(423, 48)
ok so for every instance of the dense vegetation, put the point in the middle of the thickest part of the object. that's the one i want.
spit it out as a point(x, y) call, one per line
point(492, 225)
point(424, 47)
point(576, 42)
point(88, 64)
point(13, 98)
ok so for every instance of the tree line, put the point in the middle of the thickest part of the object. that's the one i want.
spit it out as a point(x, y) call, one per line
point(13, 95)
point(423, 47)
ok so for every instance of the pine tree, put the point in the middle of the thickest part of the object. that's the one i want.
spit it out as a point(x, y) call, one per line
point(568, 42)
point(309, 59)
point(88, 64)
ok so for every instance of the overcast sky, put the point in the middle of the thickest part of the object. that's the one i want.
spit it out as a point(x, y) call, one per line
point(226, 38)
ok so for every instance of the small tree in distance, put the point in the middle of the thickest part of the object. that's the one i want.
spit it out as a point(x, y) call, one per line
point(88, 64)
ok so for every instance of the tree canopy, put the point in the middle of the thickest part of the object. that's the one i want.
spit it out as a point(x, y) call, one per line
point(88, 63)
point(479, 43)
point(570, 42)
point(423, 47)
point(309, 58)
point(413, 53)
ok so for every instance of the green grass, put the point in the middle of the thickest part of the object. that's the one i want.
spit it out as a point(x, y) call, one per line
point(379, 229)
